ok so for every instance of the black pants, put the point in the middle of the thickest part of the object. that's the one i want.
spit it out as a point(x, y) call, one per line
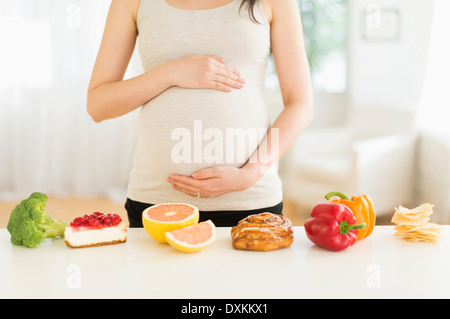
point(227, 218)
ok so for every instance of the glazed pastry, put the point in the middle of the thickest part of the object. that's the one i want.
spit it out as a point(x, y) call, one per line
point(262, 232)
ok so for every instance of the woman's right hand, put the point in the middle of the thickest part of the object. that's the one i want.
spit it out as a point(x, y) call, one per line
point(205, 72)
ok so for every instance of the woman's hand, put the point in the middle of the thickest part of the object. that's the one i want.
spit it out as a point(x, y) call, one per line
point(205, 72)
point(215, 181)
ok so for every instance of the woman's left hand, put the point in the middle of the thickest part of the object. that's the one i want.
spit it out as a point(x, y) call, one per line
point(212, 182)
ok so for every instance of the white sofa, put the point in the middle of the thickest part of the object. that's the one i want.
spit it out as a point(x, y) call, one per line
point(372, 154)
point(433, 174)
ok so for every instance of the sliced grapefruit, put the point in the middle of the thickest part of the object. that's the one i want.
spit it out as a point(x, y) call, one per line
point(193, 238)
point(162, 218)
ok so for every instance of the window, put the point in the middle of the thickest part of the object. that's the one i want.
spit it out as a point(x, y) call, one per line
point(325, 33)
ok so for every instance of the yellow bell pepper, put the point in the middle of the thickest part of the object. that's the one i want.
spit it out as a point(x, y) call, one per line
point(362, 208)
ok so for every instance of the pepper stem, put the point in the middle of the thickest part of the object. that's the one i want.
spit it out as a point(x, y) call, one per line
point(345, 227)
point(341, 195)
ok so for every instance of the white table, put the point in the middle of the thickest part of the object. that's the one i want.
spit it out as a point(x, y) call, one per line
point(381, 266)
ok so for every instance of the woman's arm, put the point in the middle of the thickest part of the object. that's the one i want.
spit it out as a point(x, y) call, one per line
point(109, 96)
point(295, 84)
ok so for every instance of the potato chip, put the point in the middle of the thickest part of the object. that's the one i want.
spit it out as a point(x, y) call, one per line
point(400, 220)
point(424, 208)
point(417, 216)
point(414, 224)
point(418, 238)
point(423, 228)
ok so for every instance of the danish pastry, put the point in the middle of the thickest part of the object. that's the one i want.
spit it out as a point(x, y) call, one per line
point(263, 232)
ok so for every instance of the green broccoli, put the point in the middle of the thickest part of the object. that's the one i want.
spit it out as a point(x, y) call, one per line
point(29, 224)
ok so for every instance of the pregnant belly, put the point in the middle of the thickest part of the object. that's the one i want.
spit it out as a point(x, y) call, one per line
point(184, 130)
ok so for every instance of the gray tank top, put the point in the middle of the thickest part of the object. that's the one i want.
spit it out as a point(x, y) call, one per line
point(183, 130)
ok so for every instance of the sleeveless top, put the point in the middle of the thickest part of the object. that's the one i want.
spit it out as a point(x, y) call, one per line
point(183, 130)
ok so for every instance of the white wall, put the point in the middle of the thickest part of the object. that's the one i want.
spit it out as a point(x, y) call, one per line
point(389, 72)
point(386, 73)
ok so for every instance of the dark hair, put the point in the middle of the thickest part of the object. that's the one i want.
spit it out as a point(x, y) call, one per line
point(250, 6)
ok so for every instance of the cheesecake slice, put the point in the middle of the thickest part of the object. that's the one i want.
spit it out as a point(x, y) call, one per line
point(94, 230)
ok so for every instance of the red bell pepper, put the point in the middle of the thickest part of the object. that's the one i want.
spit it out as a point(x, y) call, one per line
point(332, 226)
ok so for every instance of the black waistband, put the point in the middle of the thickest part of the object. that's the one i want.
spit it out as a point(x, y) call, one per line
point(222, 218)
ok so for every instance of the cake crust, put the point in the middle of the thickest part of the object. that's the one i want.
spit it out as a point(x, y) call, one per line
point(114, 242)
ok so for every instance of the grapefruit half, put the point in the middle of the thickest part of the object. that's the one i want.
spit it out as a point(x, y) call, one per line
point(162, 218)
point(193, 238)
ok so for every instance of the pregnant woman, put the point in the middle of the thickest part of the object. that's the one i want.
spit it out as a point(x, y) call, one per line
point(204, 136)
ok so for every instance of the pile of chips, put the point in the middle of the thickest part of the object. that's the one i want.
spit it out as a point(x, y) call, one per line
point(414, 224)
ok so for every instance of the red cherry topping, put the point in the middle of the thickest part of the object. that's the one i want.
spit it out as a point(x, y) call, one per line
point(97, 220)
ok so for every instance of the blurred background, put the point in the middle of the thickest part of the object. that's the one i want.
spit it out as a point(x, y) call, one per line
point(380, 73)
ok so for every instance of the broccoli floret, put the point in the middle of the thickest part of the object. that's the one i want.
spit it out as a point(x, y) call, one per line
point(29, 224)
